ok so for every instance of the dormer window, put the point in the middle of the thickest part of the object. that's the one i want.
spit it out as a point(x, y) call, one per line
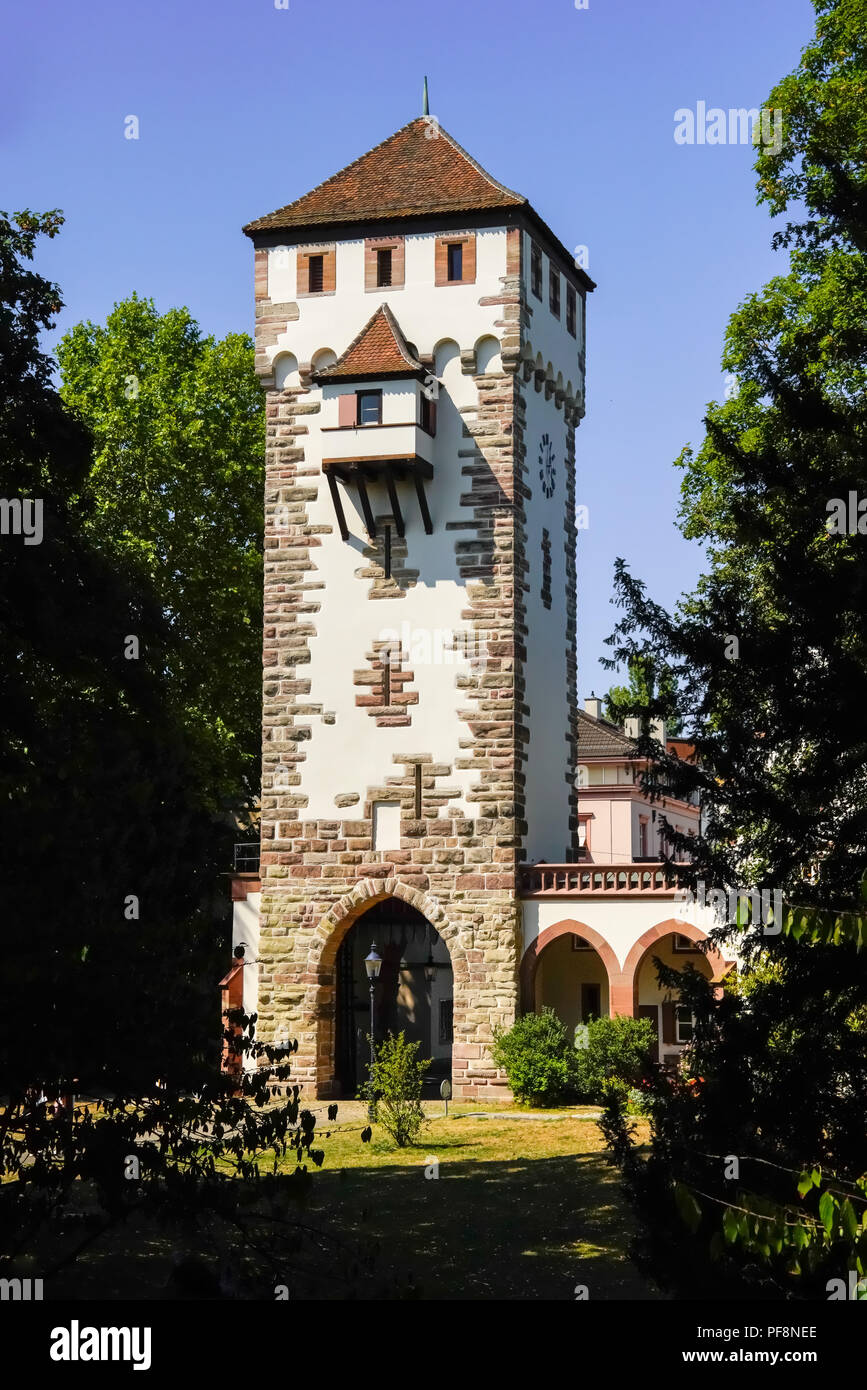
point(368, 407)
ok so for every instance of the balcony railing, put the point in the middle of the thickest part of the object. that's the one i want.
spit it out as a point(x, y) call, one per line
point(602, 880)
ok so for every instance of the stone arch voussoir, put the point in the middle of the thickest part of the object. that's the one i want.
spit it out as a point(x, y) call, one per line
point(568, 926)
point(635, 959)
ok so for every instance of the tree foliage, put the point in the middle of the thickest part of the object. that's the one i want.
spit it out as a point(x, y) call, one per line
point(176, 485)
point(769, 657)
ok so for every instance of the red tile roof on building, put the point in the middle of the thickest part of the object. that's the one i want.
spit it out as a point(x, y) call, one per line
point(379, 349)
point(420, 169)
point(599, 739)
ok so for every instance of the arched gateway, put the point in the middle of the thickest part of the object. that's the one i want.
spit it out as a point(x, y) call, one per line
point(414, 993)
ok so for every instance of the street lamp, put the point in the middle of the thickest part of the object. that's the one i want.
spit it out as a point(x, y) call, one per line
point(430, 968)
point(373, 965)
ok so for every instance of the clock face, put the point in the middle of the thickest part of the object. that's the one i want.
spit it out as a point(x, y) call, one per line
point(546, 466)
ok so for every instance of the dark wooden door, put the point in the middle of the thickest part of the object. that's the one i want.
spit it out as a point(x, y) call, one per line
point(591, 1002)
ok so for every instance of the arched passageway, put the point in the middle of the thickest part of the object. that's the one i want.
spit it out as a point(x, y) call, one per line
point(569, 968)
point(677, 945)
point(414, 993)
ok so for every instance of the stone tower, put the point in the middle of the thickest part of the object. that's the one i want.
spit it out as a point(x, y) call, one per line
point(420, 338)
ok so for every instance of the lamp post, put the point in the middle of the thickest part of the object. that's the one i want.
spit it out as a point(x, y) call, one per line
point(373, 965)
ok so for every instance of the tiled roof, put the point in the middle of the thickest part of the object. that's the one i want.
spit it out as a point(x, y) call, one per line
point(378, 349)
point(599, 739)
point(410, 173)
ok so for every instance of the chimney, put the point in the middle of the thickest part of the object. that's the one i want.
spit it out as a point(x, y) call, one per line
point(593, 707)
point(632, 727)
point(657, 729)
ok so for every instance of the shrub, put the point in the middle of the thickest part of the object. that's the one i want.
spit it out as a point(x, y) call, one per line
point(617, 1049)
point(396, 1080)
point(617, 1129)
point(538, 1058)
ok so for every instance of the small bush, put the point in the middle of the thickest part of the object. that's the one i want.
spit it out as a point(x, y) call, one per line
point(396, 1081)
point(538, 1058)
point(618, 1049)
point(617, 1129)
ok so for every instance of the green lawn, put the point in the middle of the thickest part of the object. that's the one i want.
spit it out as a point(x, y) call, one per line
point(525, 1206)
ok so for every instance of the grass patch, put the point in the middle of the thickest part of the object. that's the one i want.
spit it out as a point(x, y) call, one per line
point(525, 1206)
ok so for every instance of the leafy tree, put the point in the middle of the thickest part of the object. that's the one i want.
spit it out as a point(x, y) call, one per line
point(770, 662)
point(112, 848)
point(396, 1080)
point(176, 485)
point(647, 683)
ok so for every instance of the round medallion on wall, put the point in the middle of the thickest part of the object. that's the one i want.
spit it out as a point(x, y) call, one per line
point(547, 472)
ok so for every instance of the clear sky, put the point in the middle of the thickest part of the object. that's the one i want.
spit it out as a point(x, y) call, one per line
point(243, 106)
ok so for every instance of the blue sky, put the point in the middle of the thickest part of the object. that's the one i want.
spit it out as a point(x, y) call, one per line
point(243, 106)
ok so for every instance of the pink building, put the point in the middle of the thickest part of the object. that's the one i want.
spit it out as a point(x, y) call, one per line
point(592, 928)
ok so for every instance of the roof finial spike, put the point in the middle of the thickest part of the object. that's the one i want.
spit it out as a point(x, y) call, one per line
point(426, 103)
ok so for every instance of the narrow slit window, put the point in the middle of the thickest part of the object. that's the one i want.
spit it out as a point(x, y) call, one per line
point(383, 266)
point(571, 317)
point(536, 270)
point(417, 789)
point(546, 569)
point(554, 290)
point(455, 260)
point(315, 274)
point(386, 676)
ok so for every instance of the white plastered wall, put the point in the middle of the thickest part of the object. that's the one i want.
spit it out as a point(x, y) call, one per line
point(547, 770)
point(352, 754)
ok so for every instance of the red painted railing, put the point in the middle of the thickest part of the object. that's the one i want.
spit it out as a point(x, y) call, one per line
point(597, 880)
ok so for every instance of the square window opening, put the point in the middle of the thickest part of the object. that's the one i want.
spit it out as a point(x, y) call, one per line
point(685, 1024)
point(369, 407)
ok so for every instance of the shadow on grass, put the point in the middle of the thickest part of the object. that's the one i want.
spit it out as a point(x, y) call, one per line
point(518, 1228)
point(521, 1228)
